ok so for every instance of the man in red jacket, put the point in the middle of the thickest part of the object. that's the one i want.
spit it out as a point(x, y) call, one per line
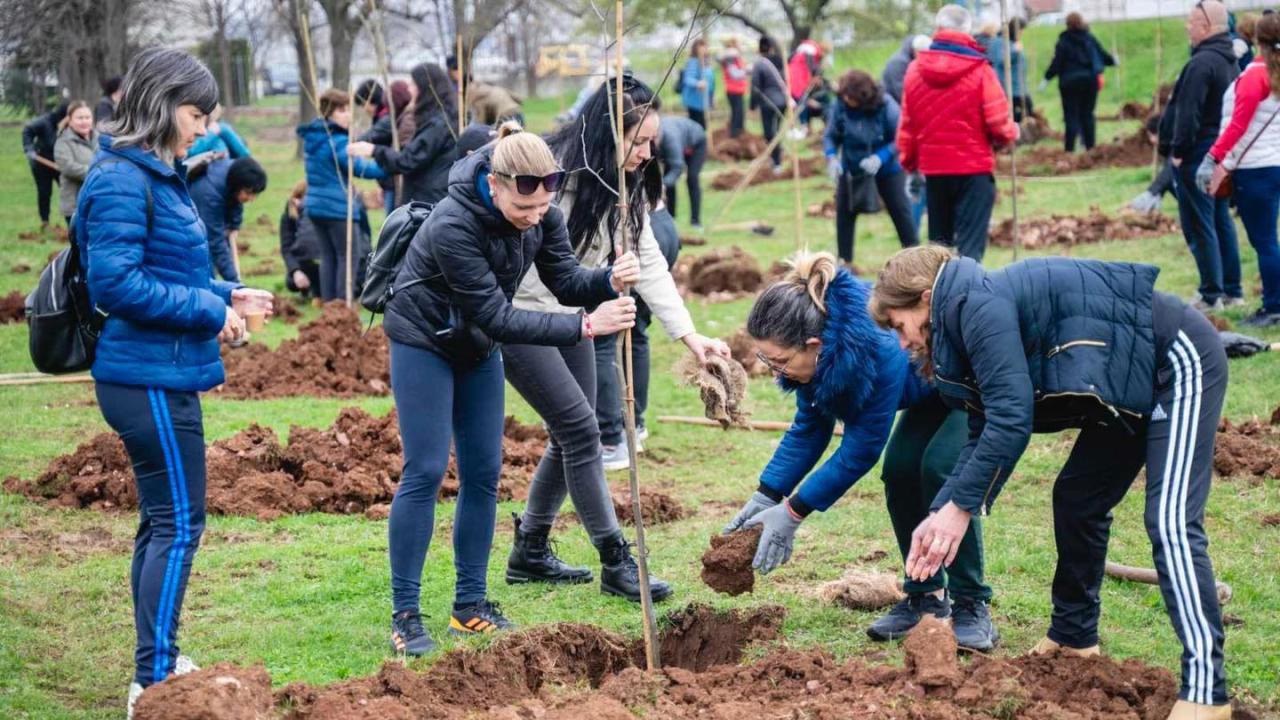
point(953, 112)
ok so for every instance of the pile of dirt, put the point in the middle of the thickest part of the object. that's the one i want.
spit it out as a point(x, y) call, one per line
point(723, 386)
point(1035, 127)
point(655, 508)
point(351, 467)
point(809, 167)
point(221, 692)
point(266, 266)
point(1133, 150)
point(726, 565)
point(20, 269)
point(563, 671)
point(719, 274)
point(747, 146)
point(1069, 230)
point(743, 348)
point(862, 591)
point(1247, 449)
point(825, 209)
point(333, 356)
point(13, 308)
point(1134, 110)
point(285, 309)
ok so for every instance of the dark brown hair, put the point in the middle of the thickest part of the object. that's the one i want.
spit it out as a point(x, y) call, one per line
point(333, 100)
point(1267, 35)
point(1075, 21)
point(860, 90)
point(695, 47)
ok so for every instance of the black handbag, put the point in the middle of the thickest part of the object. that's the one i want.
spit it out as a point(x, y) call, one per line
point(62, 323)
point(864, 196)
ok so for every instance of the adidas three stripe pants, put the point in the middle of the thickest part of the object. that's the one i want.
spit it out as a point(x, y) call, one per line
point(163, 432)
point(1176, 445)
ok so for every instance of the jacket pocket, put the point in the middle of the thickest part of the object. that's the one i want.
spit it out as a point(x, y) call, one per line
point(1074, 343)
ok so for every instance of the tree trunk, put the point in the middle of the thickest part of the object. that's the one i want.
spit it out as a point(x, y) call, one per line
point(529, 45)
point(224, 56)
point(341, 39)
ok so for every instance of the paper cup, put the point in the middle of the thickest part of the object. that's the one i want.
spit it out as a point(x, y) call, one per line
point(254, 321)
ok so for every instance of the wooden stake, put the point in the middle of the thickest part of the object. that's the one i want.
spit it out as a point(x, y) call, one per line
point(795, 178)
point(462, 79)
point(753, 168)
point(1148, 576)
point(380, 46)
point(1013, 151)
point(651, 652)
point(36, 378)
point(1155, 103)
point(766, 425)
point(351, 193)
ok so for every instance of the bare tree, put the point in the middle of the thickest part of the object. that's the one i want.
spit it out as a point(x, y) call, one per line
point(215, 15)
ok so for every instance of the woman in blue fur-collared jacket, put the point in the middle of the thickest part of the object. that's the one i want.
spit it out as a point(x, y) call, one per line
point(813, 331)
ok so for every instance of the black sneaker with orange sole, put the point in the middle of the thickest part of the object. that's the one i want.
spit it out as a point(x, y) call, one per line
point(482, 617)
point(408, 636)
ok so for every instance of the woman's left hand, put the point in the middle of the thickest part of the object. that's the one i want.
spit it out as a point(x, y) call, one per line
point(625, 272)
point(935, 542)
point(360, 149)
point(701, 346)
point(251, 300)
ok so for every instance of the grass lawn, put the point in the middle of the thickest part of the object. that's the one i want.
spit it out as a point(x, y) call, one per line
point(308, 595)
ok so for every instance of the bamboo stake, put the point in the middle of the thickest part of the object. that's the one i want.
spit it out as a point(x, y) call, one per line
point(795, 180)
point(43, 379)
point(351, 193)
point(1013, 151)
point(462, 79)
point(752, 169)
point(1155, 103)
point(765, 425)
point(380, 46)
point(651, 650)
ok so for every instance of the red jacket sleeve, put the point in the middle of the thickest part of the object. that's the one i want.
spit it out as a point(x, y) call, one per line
point(908, 152)
point(995, 110)
point(1251, 89)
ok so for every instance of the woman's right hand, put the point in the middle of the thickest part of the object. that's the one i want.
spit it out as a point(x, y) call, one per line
point(232, 327)
point(613, 316)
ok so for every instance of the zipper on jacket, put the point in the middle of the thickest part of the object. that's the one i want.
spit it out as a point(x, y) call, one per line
point(956, 382)
point(1059, 348)
point(985, 509)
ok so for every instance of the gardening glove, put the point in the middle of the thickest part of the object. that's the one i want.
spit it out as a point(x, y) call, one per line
point(756, 504)
point(31, 155)
point(780, 525)
point(1204, 173)
point(1044, 85)
point(870, 164)
point(915, 187)
point(1147, 202)
point(834, 169)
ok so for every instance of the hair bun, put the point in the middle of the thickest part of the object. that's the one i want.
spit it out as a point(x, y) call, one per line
point(508, 128)
point(813, 272)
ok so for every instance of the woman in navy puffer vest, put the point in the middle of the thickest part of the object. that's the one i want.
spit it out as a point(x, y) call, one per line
point(148, 271)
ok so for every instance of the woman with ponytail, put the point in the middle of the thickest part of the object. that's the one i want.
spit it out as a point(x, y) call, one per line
point(560, 383)
point(1249, 146)
point(450, 309)
point(813, 331)
point(1053, 343)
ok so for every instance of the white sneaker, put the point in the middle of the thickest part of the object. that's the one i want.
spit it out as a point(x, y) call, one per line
point(798, 133)
point(184, 666)
point(1234, 302)
point(642, 434)
point(615, 457)
point(135, 691)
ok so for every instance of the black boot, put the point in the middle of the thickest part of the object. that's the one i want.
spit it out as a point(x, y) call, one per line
point(532, 560)
point(620, 575)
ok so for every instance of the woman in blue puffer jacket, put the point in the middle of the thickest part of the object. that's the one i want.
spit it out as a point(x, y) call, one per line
point(813, 331)
point(324, 150)
point(149, 272)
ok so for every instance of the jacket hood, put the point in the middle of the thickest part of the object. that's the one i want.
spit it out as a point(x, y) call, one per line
point(847, 368)
point(951, 56)
point(139, 157)
point(464, 188)
point(1220, 44)
point(904, 50)
point(435, 91)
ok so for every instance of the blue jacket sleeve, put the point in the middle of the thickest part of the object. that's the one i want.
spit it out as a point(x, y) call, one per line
point(892, 113)
point(801, 446)
point(220, 255)
point(235, 217)
point(864, 440)
point(119, 282)
point(235, 145)
point(993, 344)
point(361, 167)
point(834, 134)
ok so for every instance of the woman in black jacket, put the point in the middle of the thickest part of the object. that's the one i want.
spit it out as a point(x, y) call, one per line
point(1078, 60)
point(38, 139)
point(426, 160)
point(298, 245)
point(450, 309)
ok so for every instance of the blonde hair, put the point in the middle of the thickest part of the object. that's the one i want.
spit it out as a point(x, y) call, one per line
point(813, 272)
point(74, 106)
point(904, 278)
point(517, 152)
point(299, 189)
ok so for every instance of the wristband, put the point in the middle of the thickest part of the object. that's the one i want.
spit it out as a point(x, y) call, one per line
point(591, 333)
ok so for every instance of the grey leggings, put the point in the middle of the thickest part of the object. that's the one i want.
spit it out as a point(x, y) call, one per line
point(560, 384)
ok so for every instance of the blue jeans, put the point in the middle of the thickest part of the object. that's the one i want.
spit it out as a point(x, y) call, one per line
point(1210, 232)
point(1257, 195)
point(389, 199)
point(437, 403)
point(163, 432)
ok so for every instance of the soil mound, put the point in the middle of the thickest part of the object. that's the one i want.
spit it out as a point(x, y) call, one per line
point(332, 356)
point(221, 692)
point(1133, 150)
point(655, 508)
point(722, 385)
point(862, 591)
point(1069, 230)
point(13, 308)
point(729, 179)
point(726, 565)
point(747, 146)
point(20, 269)
point(351, 467)
point(720, 274)
point(1247, 449)
point(285, 309)
point(931, 653)
point(1035, 127)
point(743, 348)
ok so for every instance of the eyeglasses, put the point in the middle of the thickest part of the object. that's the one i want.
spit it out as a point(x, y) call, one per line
point(528, 184)
point(773, 367)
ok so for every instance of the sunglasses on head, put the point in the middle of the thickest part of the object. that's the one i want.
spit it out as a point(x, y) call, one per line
point(528, 184)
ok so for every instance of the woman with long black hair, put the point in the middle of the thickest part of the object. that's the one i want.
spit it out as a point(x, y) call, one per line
point(560, 383)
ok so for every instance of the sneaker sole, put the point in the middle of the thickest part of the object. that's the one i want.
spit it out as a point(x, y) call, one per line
point(995, 642)
point(657, 596)
point(515, 577)
point(620, 465)
point(398, 652)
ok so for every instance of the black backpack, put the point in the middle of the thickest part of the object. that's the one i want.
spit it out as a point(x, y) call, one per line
point(384, 261)
point(63, 325)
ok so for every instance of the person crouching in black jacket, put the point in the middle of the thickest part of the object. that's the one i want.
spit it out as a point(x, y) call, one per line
point(449, 310)
point(298, 246)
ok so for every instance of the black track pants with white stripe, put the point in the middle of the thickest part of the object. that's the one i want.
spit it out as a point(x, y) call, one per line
point(1176, 445)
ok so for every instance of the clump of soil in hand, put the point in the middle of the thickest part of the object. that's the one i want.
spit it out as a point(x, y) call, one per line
point(747, 146)
point(1247, 449)
point(723, 386)
point(1069, 230)
point(931, 649)
point(720, 274)
point(655, 508)
point(332, 356)
point(862, 591)
point(221, 692)
point(726, 565)
point(743, 349)
point(13, 308)
point(809, 167)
